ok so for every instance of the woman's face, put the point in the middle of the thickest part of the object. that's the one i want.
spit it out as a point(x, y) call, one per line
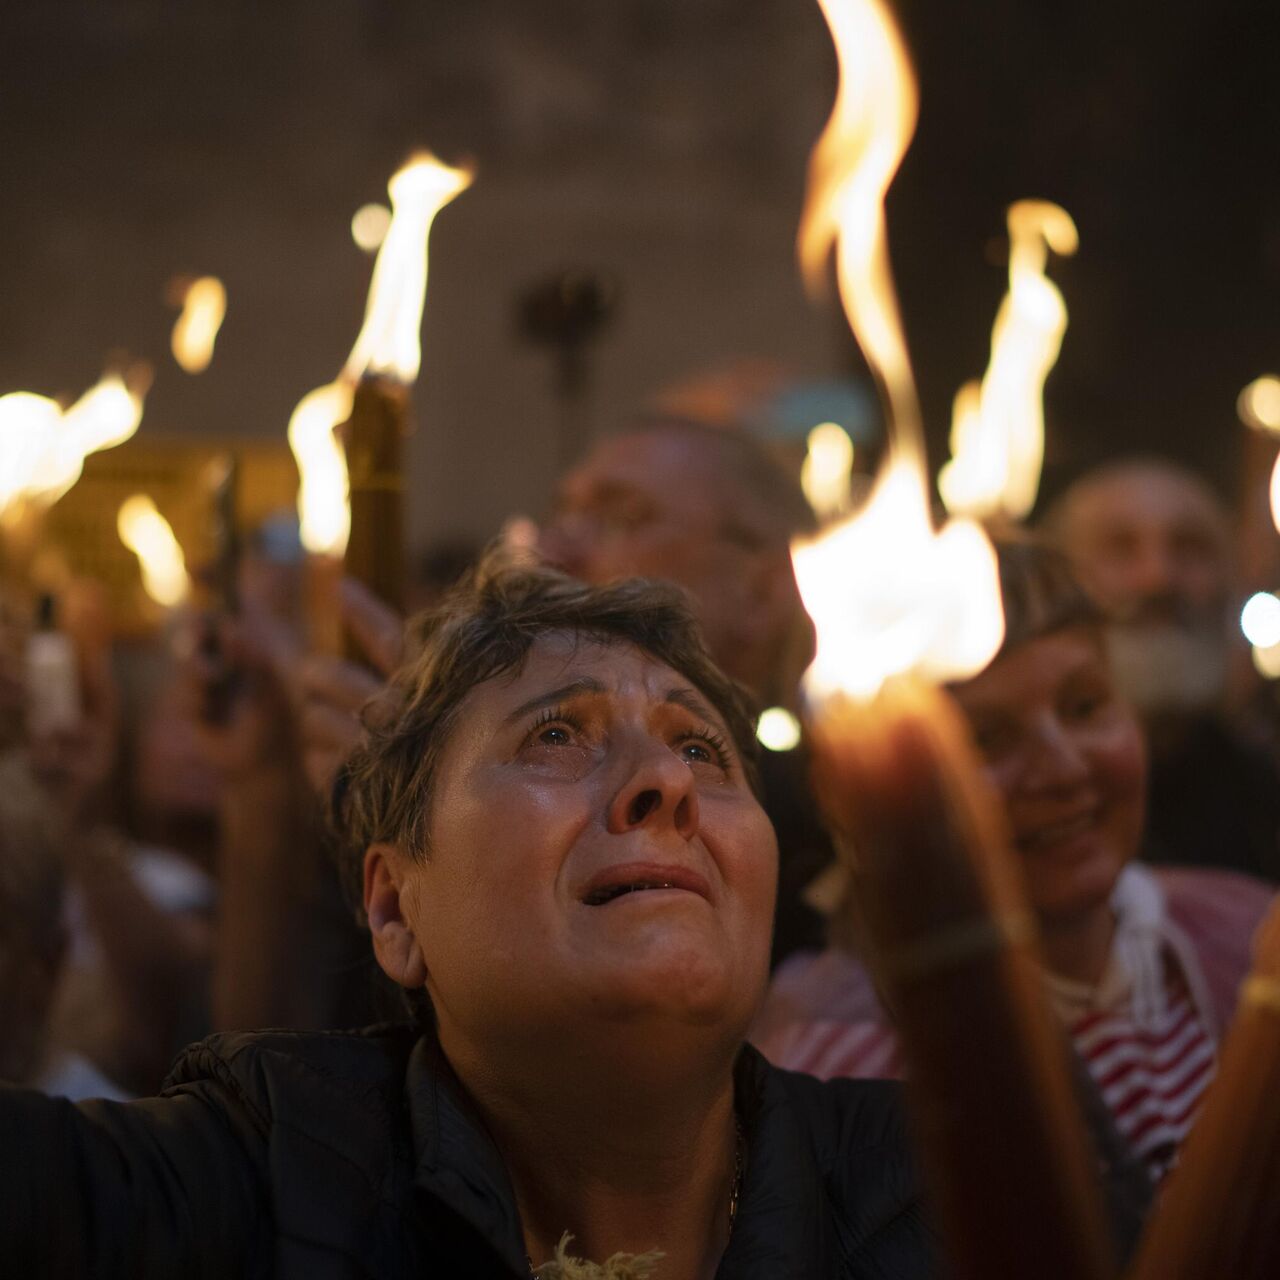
point(1067, 756)
point(594, 851)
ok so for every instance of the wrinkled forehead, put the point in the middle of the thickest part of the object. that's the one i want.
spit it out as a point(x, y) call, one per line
point(561, 665)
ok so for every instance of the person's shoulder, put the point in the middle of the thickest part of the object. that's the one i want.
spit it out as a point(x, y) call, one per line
point(265, 1068)
point(1213, 900)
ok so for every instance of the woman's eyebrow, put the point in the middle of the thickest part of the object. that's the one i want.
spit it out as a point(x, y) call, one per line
point(690, 701)
point(587, 684)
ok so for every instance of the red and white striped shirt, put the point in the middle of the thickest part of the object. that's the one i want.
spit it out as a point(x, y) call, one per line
point(1152, 1078)
point(823, 1015)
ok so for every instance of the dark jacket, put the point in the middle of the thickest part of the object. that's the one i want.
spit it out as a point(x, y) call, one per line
point(356, 1154)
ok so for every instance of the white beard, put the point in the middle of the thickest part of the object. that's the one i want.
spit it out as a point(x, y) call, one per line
point(1168, 666)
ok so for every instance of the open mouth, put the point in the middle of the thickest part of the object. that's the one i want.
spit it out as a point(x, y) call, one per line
point(618, 881)
point(598, 897)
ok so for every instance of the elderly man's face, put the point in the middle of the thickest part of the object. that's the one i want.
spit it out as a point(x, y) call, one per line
point(658, 504)
point(595, 852)
point(1151, 545)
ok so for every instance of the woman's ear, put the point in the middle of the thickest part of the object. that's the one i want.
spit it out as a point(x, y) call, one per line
point(394, 942)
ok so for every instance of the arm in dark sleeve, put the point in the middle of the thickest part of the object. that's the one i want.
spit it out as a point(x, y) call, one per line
point(170, 1186)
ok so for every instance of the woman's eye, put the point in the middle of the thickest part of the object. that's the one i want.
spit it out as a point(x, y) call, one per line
point(1084, 706)
point(697, 750)
point(555, 735)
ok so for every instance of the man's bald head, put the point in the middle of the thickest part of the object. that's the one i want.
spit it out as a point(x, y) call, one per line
point(1146, 534)
point(707, 508)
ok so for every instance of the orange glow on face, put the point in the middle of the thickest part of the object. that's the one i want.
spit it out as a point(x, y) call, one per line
point(389, 342)
point(888, 594)
point(997, 426)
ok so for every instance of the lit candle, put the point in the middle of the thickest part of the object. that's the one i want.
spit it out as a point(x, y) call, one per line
point(348, 437)
point(1220, 1214)
point(898, 606)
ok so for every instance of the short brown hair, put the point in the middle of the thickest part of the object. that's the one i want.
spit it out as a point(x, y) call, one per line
point(484, 628)
point(1040, 590)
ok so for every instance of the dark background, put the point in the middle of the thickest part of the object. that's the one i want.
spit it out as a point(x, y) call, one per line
point(664, 141)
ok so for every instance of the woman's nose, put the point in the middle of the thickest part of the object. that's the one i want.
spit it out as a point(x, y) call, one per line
point(658, 792)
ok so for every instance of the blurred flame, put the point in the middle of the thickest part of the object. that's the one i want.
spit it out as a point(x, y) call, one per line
point(43, 447)
point(889, 596)
point(778, 730)
point(147, 533)
point(389, 342)
point(1260, 620)
point(1275, 493)
point(28, 427)
point(324, 508)
point(826, 471)
point(997, 427)
point(887, 593)
point(849, 173)
point(1266, 661)
point(1259, 404)
point(369, 226)
point(203, 307)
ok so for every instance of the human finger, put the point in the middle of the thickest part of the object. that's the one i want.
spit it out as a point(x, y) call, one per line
point(377, 628)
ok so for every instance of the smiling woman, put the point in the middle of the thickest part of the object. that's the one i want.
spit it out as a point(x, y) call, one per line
point(553, 831)
point(1142, 965)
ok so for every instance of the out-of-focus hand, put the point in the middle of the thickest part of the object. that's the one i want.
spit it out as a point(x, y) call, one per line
point(333, 692)
point(233, 688)
point(73, 763)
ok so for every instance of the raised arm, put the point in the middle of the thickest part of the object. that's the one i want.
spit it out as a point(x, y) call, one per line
point(172, 1186)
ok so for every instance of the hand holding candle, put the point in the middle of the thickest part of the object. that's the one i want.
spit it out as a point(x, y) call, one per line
point(1220, 1215)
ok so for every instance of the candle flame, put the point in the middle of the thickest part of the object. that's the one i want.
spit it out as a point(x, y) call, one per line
point(827, 468)
point(389, 342)
point(850, 170)
point(148, 534)
point(28, 425)
point(204, 305)
point(43, 447)
point(997, 426)
point(888, 594)
point(324, 507)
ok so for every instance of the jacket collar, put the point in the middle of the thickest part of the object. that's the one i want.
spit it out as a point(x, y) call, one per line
point(783, 1226)
point(455, 1160)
